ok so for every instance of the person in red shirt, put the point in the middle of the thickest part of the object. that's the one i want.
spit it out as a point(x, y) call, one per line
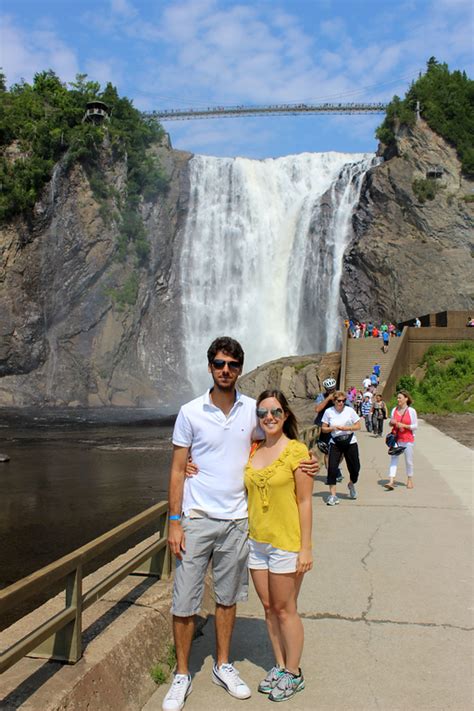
point(404, 422)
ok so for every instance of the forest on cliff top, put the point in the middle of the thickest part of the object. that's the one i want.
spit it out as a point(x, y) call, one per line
point(43, 121)
point(446, 103)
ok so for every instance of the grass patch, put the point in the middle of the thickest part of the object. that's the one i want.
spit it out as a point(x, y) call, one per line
point(303, 364)
point(160, 672)
point(448, 383)
point(425, 189)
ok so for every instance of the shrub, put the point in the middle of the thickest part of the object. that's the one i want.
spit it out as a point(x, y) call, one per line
point(425, 189)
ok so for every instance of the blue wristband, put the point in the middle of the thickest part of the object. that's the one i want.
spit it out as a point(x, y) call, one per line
point(175, 517)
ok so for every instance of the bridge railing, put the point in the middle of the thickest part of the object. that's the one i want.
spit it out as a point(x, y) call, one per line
point(282, 109)
point(60, 637)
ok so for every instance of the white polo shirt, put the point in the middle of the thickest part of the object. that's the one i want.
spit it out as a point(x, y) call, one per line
point(220, 446)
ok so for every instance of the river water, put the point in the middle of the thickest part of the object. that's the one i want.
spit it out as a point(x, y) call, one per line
point(72, 478)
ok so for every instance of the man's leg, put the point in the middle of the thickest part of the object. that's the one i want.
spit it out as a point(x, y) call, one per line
point(183, 630)
point(225, 620)
point(230, 572)
point(188, 586)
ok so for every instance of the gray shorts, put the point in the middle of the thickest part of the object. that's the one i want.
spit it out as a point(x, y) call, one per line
point(225, 544)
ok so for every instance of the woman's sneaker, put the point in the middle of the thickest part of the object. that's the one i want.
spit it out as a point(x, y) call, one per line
point(287, 686)
point(352, 490)
point(332, 500)
point(177, 693)
point(271, 680)
point(227, 676)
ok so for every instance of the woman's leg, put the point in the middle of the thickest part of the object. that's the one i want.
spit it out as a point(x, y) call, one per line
point(351, 455)
point(408, 454)
point(392, 472)
point(334, 459)
point(283, 588)
point(260, 580)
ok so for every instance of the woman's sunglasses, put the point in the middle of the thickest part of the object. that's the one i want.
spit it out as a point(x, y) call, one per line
point(276, 412)
point(339, 400)
point(219, 364)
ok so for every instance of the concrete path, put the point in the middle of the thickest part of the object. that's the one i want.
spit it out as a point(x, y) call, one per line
point(388, 606)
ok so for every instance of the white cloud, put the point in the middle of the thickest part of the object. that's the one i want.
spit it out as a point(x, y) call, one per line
point(25, 53)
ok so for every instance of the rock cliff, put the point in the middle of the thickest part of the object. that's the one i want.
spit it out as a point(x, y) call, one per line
point(409, 257)
point(64, 341)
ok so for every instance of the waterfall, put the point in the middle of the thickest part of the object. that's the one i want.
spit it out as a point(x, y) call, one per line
point(262, 254)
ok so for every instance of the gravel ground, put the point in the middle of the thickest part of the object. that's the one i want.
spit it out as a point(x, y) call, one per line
point(459, 427)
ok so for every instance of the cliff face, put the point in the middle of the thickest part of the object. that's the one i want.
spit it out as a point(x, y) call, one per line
point(63, 340)
point(410, 257)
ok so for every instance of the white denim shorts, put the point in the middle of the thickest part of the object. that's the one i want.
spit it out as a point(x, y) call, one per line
point(263, 556)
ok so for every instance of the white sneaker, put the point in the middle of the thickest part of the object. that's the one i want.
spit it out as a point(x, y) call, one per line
point(332, 500)
point(177, 693)
point(227, 676)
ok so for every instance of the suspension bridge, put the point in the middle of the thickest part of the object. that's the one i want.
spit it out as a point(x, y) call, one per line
point(212, 112)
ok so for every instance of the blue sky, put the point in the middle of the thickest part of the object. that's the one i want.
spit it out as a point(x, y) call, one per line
point(193, 53)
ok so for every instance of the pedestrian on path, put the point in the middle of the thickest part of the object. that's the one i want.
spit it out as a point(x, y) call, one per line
point(280, 524)
point(379, 414)
point(341, 422)
point(404, 422)
point(208, 515)
point(324, 401)
point(366, 412)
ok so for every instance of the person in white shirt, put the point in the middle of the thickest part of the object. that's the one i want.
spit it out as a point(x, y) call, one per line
point(208, 515)
point(366, 383)
point(341, 421)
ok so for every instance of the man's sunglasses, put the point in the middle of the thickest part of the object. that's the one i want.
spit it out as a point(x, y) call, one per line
point(276, 412)
point(339, 400)
point(220, 364)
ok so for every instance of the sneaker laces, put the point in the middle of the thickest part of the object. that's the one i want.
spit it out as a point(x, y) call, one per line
point(274, 673)
point(230, 670)
point(286, 681)
point(177, 687)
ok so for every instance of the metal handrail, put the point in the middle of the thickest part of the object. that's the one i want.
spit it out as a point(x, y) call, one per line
point(60, 636)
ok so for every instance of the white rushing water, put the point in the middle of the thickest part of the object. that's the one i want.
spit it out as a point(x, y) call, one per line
point(262, 254)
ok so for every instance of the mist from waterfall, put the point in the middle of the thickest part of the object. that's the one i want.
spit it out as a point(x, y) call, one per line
point(262, 254)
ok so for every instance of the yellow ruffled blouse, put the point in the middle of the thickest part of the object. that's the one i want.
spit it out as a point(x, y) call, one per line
point(273, 507)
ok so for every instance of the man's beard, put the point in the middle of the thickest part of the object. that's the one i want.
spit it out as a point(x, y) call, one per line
point(224, 387)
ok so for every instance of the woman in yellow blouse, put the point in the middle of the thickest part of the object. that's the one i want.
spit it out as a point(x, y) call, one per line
point(280, 521)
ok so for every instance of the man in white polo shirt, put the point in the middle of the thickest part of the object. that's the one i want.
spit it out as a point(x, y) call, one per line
point(208, 515)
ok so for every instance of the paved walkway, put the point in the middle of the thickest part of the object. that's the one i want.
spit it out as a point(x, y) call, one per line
point(388, 606)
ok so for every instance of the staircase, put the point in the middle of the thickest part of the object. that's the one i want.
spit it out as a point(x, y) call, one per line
point(361, 354)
